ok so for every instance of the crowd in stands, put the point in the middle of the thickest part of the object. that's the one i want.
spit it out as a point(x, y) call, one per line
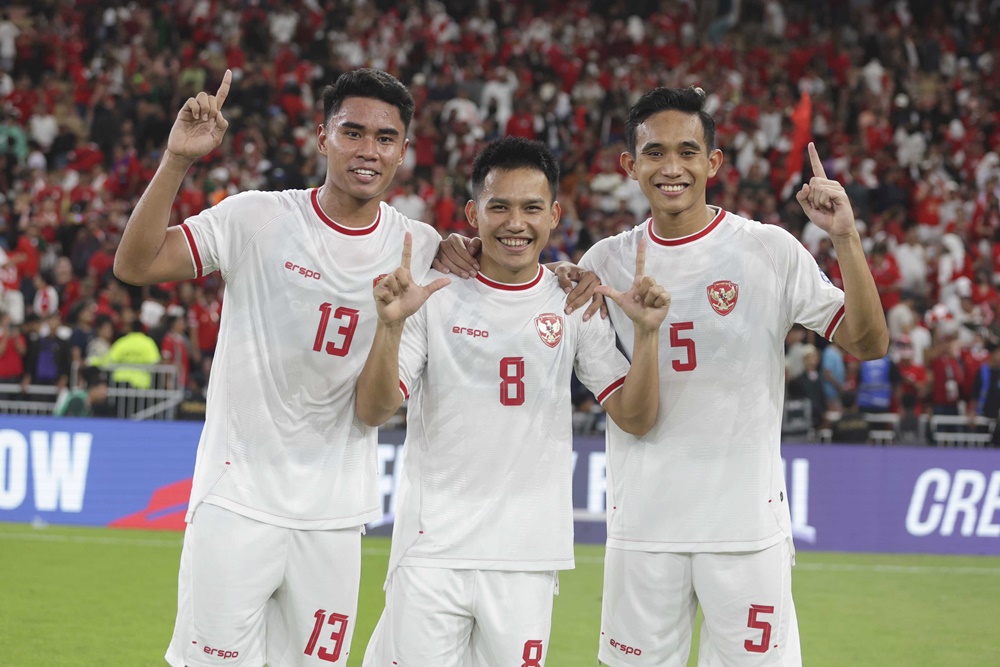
point(902, 99)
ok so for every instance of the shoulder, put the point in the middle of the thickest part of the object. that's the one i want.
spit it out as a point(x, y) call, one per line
point(423, 234)
point(613, 248)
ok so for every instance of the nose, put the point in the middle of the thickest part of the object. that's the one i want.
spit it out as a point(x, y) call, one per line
point(671, 166)
point(367, 148)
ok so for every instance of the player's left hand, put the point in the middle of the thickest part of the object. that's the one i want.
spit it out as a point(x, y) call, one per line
point(397, 296)
point(646, 303)
point(825, 201)
point(579, 284)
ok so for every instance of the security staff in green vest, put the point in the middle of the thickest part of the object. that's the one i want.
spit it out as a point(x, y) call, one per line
point(138, 349)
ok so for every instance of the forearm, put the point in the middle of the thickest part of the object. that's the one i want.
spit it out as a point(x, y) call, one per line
point(146, 230)
point(636, 405)
point(378, 395)
point(863, 333)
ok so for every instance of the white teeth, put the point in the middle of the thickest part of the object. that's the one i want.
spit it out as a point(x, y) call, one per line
point(671, 188)
point(515, 243)
point(364, 172)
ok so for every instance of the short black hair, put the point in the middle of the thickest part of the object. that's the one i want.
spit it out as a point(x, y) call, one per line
point(511, 153)
point(368, 82)
point(686, 100)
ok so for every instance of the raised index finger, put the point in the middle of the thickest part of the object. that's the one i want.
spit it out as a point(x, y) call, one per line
point(223, 93)
point(404, 263)
point(640, 258)
point(817, 165)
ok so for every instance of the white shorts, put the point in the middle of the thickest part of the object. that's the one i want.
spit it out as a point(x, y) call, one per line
point(457, 618)
point(650, 600)
point(250, 593)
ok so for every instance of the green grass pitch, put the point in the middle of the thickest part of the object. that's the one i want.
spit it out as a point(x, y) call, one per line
point(93, 597)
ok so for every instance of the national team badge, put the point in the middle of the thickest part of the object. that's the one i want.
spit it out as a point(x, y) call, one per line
point(550, 327)
point(722, 294)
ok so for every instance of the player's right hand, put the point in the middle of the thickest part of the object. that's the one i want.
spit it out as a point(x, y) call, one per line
point(397, 296)
point(645, 303)
point(200, 125)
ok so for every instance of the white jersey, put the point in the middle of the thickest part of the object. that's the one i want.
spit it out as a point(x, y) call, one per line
point(708, 476)
point(281, 443)
point(487, 477)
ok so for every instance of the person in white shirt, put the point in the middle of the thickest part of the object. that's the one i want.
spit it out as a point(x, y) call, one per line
point(285, 476)
point(484, 517)
point(697, 507)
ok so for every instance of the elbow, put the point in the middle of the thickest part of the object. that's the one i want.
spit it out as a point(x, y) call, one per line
point(874, 346)
point(639, 424)
point(124, 273)
point(371, 416)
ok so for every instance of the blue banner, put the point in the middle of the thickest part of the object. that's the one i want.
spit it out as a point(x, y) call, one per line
point(841, 497)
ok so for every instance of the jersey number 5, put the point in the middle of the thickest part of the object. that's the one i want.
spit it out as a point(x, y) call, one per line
point(349, 318)
point(676, 341)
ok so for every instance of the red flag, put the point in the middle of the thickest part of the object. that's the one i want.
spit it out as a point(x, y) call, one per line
point(801, 135)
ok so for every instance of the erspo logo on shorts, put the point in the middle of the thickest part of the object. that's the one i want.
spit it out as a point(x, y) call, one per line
point(627, 650)
point(222, 653)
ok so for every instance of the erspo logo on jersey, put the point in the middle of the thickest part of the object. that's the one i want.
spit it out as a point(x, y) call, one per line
point(303, 271)
point(469, 331)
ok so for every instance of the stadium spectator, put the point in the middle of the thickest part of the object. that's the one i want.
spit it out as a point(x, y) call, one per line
point(851, 426)
point(85, 400)
point(12, 350)
point(985, 398)
point(47, 357)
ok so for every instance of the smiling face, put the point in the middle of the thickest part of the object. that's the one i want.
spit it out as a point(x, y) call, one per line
point(514, 215)
point(672, 166)
point(364, 143)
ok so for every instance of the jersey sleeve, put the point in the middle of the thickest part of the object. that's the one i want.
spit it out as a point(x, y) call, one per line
point(810, 298)
point(413, 351)
point(217, 236)
point(599, 364)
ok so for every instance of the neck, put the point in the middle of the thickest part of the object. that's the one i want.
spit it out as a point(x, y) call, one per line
point(347, 210)
point(685, 223)
point(501, 274)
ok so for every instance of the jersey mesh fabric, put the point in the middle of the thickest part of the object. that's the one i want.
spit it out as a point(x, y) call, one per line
point(708, 476)
point(281, 443)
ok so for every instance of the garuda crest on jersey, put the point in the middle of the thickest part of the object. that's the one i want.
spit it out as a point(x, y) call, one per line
point(722, 294)
point(550, 328)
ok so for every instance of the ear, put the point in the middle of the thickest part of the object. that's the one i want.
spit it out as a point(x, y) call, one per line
point(714, 162)
point(627, 162)
point(321, 139)
point(472, 214)
point(402, 153)
point(556, 214)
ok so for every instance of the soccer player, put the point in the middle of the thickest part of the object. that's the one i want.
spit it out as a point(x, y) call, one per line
point(285, 476)
point(484, 518)
point(697, 507)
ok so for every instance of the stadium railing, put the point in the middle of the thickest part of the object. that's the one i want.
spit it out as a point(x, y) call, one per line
point(158, 402)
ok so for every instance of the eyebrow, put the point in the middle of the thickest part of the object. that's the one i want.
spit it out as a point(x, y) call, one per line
point(358, 126)
point(522, 202)
point(654, 145)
